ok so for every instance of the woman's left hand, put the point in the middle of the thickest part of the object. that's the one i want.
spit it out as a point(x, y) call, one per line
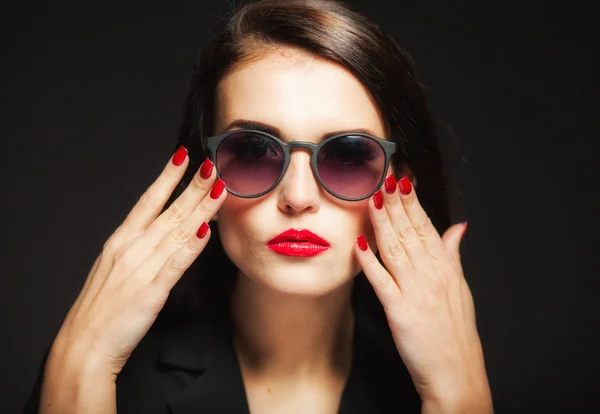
point(428, 304)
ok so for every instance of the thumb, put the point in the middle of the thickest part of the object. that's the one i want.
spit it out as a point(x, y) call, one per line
point(452, 238)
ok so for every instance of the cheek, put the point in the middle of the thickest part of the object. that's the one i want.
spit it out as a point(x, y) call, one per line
point(232, 223)
point(240, 226)
point(352, 221)
point(360, 216)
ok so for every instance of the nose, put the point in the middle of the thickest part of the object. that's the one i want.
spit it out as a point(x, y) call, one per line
point(299, 190)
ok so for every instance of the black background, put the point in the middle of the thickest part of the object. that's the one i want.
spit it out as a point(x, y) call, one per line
point(91, 100)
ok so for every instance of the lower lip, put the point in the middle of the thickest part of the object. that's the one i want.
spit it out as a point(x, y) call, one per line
point(302, 249)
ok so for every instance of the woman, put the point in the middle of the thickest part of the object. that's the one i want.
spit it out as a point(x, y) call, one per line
point(327, 287)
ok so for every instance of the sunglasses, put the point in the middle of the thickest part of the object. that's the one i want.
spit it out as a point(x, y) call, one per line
point(350, 166)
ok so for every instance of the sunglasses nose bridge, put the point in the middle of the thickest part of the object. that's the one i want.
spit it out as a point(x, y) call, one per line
point(306, 145)
point(310, 146)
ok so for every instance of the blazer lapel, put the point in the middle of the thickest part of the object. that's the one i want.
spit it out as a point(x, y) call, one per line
point(202, 352)
point(379, 381)
point(202, 349)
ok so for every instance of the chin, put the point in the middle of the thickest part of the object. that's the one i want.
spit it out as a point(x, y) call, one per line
point(295, 279)
point(312, 284)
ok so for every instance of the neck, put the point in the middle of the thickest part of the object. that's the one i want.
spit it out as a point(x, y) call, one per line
point(283, 335)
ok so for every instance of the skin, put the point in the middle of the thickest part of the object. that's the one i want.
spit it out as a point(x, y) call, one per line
point(294, 313)
point(293, 317)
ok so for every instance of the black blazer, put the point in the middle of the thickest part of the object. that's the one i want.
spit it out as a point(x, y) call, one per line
point(191, 367)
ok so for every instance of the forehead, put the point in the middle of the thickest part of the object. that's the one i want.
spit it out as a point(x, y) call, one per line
point(304, 96)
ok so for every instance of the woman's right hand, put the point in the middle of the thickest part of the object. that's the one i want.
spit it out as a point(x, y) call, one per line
point(142, 260)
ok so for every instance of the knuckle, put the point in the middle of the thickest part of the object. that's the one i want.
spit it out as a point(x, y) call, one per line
point(178, 263)
point(118, 255)
point(395, 250)
point(424, 226)
point(149, 201)
point(113, 245)
point(436, 291)
point(383, 282)
point(407, 233)
point(173, 215)
point(180, 235)
point(180, 260)
point(110, 246)
point(204, 211)
point(126, 262)
point(118, 244)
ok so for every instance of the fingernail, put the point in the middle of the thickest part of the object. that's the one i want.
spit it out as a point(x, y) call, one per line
point(405, 185)
point(378, 200)
point(465, 224)
point(206, 169)
point(362, 243)
point(202, 230)
point(179, 156)
point(217, 189)
point(390, 184)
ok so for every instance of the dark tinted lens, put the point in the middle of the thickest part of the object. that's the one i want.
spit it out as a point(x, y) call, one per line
point(351, 166)
point(249, 163)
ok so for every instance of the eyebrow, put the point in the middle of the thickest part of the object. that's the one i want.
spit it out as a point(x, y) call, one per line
point(270, 129)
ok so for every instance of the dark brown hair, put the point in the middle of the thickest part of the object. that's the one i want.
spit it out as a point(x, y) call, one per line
point(331, 30)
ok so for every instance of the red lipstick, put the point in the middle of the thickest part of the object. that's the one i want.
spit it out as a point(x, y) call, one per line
point(303, 243)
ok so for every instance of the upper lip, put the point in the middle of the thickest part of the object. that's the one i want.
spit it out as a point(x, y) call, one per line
point(298, 235)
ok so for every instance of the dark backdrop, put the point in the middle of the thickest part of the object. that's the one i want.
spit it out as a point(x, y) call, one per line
point(91, 101)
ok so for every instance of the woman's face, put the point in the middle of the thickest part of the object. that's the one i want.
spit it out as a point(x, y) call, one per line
point(304, 97)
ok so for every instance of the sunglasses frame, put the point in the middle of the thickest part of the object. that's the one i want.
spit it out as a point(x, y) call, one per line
point(212, 144)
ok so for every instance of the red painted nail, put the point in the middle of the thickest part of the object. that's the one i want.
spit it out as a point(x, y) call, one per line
point(390, 184)
point(362, 243)
point(378, 200)
point(202, 230)
point(179, 156)
point(405, 185)
point(464, 223)
point(206, 169)
point(217, 189)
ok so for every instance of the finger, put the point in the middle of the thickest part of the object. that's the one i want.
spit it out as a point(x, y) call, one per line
point(170, 221)
point(391, 250)
point(176, 265)
point(383, 283)
point(155, 197)
point(184, 205)
point(176, 239)
point(452, 239)
point(403, 226)
point(122, 240)
point(424, 230)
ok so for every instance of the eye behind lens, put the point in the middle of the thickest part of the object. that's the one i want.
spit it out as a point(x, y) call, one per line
point(351, 166)
point(250, 163)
